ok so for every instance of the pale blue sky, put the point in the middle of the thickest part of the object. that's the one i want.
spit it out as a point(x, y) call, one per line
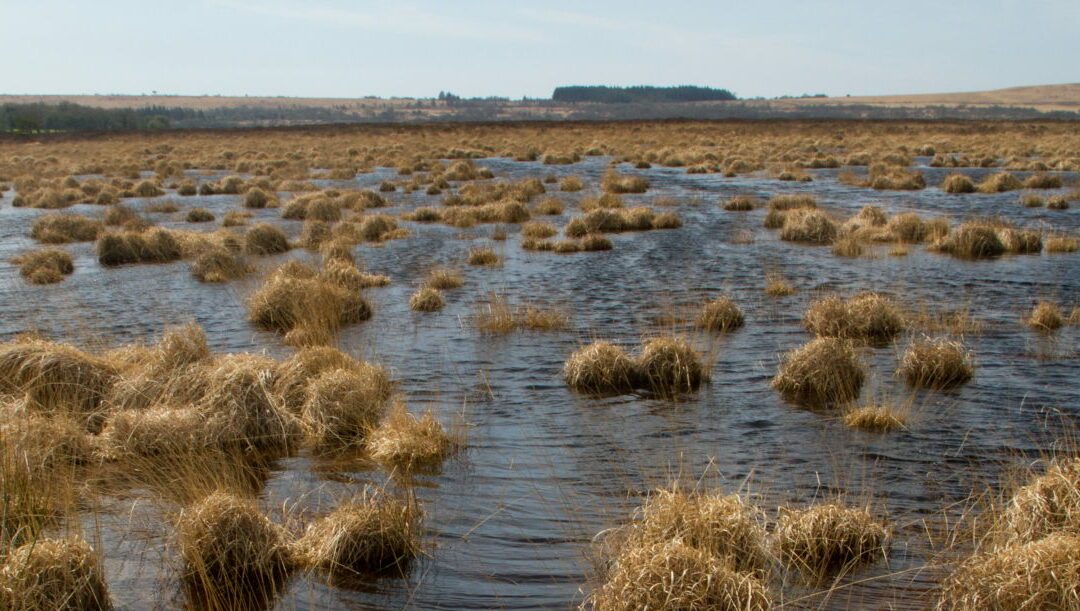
point(339, 48)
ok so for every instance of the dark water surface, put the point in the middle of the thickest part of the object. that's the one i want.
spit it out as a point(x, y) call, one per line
point(510, 520)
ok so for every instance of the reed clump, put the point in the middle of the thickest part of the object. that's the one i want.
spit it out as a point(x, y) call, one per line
point(155, 431)
point(56, 378)
point(406, 441)
point(308, 310)
point(342, 406)
point(972, 240)
point(1042, 574)
point(1046, 317)
point(241, 407)
point(1062, 244)
point(958, 183)
point(741, 203)
point(265, 239)
point(808, 225)
point(293, 376)
point(153, 246)
point(999, 183)
point(600, 368)
point(372, 534)
point(1048, 504)
point(937, 364)
point(669, 365)
point(615, 183)
point(65, 228)
point(874, 419)
point(45, 265)
point(822, 373)
point(720, 314)
point(673, 575)
point(220, 265)
point(828, 538)
point(55, 574)
point(426, 299)
point(233, 555)
point(867, 317)
point(199, 215)
point(777, 286)
point(571, 184)
point(482, 256)
point(444, 278)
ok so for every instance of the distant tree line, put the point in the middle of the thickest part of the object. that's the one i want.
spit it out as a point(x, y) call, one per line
point(643, 93)
point(66, 116)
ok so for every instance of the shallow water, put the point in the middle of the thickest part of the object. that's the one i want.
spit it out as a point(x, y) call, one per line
point(511, 519)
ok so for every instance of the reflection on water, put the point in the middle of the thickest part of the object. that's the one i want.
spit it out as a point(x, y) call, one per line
point(510, 520)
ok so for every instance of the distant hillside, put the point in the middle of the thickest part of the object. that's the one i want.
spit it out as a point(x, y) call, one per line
point(39, 112)
point(639, 94)
point(1041, 97)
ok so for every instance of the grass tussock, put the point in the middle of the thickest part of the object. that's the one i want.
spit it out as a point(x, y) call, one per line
point(199, 215)
point(822, 373)
point(1062, 244)
point(741, 203)
point(616, 183)
point(405, 441)
point(153, 246)
point(54, 574)
point(571, 184)
point(308, 310)
point(1048, 504)
point(867, 317)
point(56, 378)
point(242, 409)
point(1043, 574)
point(720, 314)
point(670, 365)
point(999, 183)
point(830, 538)
point(342, 406)
point(265, 239)
point(444, 278)
point(65, 228)
point(958, 183)
point(874, 419)
point(1046, 317)
point(45, 265)
point(155, 431)
point(936, 364)
point(972, 240)
point(482, 256)
point(777, 286)
point(372, 534)
point(233, 555)
point(220, 265)
point(600, 368)
point(426, 299)
point(294, 375)
point(673, 575)
point(809, 226)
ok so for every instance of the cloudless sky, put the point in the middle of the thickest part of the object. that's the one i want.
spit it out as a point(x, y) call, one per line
point(416, 48)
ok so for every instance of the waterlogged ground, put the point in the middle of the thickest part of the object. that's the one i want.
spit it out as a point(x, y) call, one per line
point(511, 519)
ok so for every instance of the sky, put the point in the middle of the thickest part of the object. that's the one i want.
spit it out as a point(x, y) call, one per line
point(416, 48)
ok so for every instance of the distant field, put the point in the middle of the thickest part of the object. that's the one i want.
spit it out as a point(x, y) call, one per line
point(1042, 97)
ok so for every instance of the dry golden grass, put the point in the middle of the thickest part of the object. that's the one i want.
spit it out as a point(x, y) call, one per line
point(875, 418)
point(1042, 574)
point(444, 278)
point(242, 409)
point(482, 256)
point(1045, 317)
point(725, 526)
point(672, 575)
point(937, 364)
point(822, 373)
point(65, 228)
point(741, 203)
point(293, 376)
point(153, 246)
point(54, 574)
point(958, 183)
point(405, 441)
point(669, 365)
point(1048, 504)
point(220, 265)
point(265, 239)
point(600, 368)
point(309, 311)
point(372, 534)
point(45, 265)
point(808, 225)
point(571, 184)
point(155, 431)
point(1062, 244)
point(777, 286)
point(999, 183)
point(538, 229)
point(822, 540)
point(612, 182)
point(56, 379)
point(342, 406)
point(866, 316)
point(426, 299)
point(233, 555)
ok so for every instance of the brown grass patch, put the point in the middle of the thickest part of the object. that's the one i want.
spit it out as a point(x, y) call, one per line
point(1045, 317)
point(826, 539)
point(866, 316)
point(45, 266)
point(65, 228)
point(670, 366)
point(936, 364)
point(51, 574)
point(405, 441)
point(426, 299)
point(822, 373)
point(600, 368)
point(443, 278)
